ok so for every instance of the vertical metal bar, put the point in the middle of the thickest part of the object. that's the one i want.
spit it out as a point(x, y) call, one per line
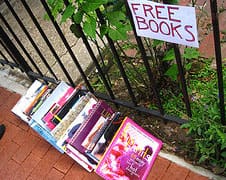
point(6, 40)
point(96, 62)
point(117, 58)
point(215, 22)
point(20, 44)
point(181, 74)
point(47, 41)
point(146, 63)
point(8, 51)
point(182, 79)
point(30, 38)
point(67, 45)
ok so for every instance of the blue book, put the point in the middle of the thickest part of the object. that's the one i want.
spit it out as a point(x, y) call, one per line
point(45, 134)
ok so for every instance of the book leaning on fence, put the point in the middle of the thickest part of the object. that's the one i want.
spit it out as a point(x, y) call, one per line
point(75, 122)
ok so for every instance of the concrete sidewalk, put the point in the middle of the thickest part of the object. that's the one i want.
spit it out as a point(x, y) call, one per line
point(25, 155)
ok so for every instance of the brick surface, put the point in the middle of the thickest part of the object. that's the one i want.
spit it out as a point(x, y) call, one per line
point(54, 174)
point(25, 149)
point(194, 176)
point(41, 148)
point(160, 166)
point(9, 169)
point(46, 164)
point(175, 172)
point(64, 163)
point(76, 172)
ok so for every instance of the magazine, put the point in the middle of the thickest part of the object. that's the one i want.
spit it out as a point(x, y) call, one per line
point(130, 155)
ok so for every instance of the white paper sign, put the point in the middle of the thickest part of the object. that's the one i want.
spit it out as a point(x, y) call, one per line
point(171, 23)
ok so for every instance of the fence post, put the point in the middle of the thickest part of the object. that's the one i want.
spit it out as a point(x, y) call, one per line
point(215, 22)
point(15, 53)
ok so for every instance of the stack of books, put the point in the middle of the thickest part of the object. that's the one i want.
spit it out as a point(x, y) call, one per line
point(88, 130)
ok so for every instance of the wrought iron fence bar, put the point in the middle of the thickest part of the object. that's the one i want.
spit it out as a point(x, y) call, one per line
point(47, 41)
point(11, 64)
point(141, 109)
point(14, 51)
point(7, 61)
point(8, 51)
point(182, 79)
point(30, 38)
point(146, 63)
point(215, 22)
point(20, 44)
point(91, 53)
point(45, 78)
point(117, 59)
point(84, 77)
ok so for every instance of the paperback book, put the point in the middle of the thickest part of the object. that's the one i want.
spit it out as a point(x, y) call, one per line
point(97, 118)
point(130, 155)
point(26, 100)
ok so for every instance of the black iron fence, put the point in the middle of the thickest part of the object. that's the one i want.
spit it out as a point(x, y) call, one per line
point(16, 54)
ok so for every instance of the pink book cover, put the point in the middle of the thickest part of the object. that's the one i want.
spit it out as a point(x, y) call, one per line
point(130, 155)
point(56, 107)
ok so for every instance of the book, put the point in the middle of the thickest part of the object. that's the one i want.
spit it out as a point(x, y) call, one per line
point(26, 100)
point(41, 91)
point(67, 106)
point(104, 136)
point(56, 94)
point(62, 127)
point(80, 116)
point(78, 157)
point(97, 117)
point(131, 153)
point(56, 107)
point(44, 134)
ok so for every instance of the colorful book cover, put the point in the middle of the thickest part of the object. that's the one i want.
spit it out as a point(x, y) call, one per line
point(130, 155)
point(74, 126)
point(41, 92)
point(57, 93)
point(26, 100)
point(56, 107)
point(45, 134)
point(97, 117)
point(60, 130)
point(102, 139)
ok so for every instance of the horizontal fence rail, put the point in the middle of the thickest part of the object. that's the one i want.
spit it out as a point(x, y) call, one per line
point(35, 64)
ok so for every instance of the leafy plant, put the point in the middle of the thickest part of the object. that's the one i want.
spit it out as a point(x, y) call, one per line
point(84, 13)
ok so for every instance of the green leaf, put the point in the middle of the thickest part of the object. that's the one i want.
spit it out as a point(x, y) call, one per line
point(223, 154)
point(223, 145)
point(172, 72)
point(170, 55)
point(89, 27)
point(75, 30)
point(116, 17)
point(118, 34)
point(77, 17)
point(67, 13)
point(157, 43)
point(92, 5)
point(191, 53)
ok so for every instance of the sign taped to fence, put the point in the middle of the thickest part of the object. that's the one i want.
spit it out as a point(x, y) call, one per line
point(170, 23)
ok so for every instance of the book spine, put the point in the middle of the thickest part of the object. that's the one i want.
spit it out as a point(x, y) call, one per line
point(33, 103)
point(56, 107)
point(61, 128)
